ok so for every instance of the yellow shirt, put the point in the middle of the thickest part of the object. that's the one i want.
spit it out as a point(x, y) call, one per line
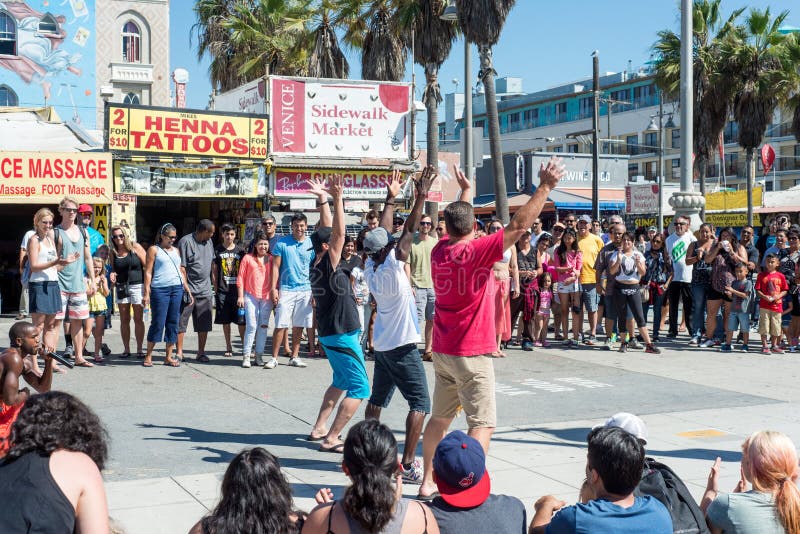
point(590, 246)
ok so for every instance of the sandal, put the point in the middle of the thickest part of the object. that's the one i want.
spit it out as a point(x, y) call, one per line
point(147, 364)
point(171, 362)
point(98, 360)
point(336, 449)
point(202, 358)
point(427, 498)
point(84, 363)
point(140, 355)
point(228, 354)
point(126, 355)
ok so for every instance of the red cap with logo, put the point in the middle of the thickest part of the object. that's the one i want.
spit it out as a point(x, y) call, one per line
point(85, 208)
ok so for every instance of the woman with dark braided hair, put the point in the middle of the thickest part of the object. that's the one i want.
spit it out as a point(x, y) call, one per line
point(50, 479)
point(256, 499)
point(373, 503)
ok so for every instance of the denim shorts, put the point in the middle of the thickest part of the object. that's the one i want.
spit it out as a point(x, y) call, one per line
point(589, 297)
point(739, 320)
point(44, 297)
point(400, 368)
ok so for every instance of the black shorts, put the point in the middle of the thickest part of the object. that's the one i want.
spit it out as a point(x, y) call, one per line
point(716, 295)
point(226, 309)
point(199, 312)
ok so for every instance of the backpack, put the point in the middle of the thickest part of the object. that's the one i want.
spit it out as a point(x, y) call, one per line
point(661, 482)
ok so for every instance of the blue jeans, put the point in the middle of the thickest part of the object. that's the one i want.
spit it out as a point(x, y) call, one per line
point(658, 305)
point(165, 310)
point(699, 298)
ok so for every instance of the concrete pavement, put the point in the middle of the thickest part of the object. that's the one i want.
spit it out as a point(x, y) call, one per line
point(173, 431)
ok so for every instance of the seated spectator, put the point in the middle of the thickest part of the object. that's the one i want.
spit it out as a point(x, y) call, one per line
point(614, 467)
point(374, 502)
point(465, 503)
point(256, 498)
point(50, 479)
point(769, 462)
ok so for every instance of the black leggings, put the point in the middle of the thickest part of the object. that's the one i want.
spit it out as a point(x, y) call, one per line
point(625, 297)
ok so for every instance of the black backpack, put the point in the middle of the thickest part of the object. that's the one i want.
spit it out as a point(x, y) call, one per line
point(661, 482)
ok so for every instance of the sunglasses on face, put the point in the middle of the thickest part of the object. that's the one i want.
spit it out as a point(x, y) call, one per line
point(424, 223)
point(267, 223)
point(680, 224)
point(46, 223)
point(118, 236)
point(569, 221)
point(70, 210)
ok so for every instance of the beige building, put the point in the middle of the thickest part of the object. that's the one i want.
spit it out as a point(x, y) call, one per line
point(132, 56)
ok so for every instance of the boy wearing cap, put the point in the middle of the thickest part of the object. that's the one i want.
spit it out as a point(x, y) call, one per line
point(465, 502)
point(614, 467)
point(337, 321)
point(397, 361)
point(463, 322)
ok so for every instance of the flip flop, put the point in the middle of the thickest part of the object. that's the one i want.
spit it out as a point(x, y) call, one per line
point(147, 364)
point(320, 438)
point(84, 363)
point(126, 355)
point(202, 358)
point(427, 498)
point(228, 354)
point(99, 360)
point(140, 355)
point(336, 449)
point(172, 363)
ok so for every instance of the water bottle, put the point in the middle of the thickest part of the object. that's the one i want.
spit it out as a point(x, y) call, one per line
point(147, 314)
point(240, 318)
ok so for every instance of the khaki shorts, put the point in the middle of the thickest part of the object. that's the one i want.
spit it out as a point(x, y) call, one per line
point(468, 382)
point(769, 322)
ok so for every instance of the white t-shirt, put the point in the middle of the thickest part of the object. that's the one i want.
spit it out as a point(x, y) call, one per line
point(677, 246)
point(396, 320)
point(25, 239)
point(627, 268)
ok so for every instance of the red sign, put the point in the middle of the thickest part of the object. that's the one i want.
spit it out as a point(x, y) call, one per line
point(288, 105)
point(767, 158)
point(180, 95)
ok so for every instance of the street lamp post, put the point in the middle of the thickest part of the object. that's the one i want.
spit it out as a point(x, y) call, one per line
point(660, 127)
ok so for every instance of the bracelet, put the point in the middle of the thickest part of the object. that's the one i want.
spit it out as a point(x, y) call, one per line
point(323, 203)
point(390, 202)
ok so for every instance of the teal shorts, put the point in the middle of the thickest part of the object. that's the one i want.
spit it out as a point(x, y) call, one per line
point(347, 361)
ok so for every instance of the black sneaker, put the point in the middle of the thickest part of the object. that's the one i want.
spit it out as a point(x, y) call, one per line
point(623, 347)
point(652, 349)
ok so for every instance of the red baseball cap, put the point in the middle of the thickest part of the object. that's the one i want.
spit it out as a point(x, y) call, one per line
point(459, 469)
point(84, 208)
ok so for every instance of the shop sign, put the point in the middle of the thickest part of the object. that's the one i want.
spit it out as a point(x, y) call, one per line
point(151, 130)
point(175, 179)
point(613, 170)
point(367, 184)
point(341, 118)
point(47, 177)
point(633, 223)
point(356, 206)
point(302, 204)
point(732, 200)
point(642, 198)
point(123, 213)
point(721, 220)
point(247, 98)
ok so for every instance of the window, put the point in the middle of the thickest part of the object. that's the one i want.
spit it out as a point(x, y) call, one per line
point(650, 170)
point(557, 148)
point(131, 98)
point(8, 98)
point(650, 141)
point(676, 138)
point(632, 142)
point(560, 111)
point(530, 118)
point(731, 132)
point(131, 43)
point(8, 34)
point(585, 107)
point(48, 24)
point(572, 148)
point(633, 170)
point(513, 122)
point(643, 95)
point(732, 164)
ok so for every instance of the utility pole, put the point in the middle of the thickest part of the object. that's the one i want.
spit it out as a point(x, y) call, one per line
point(596, 136)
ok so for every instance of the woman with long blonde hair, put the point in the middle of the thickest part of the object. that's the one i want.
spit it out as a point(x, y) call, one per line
point(128, 259)
point(769, 463)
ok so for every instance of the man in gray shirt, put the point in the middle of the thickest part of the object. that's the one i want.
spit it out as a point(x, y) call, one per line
point(197, 254)
point(464, 502)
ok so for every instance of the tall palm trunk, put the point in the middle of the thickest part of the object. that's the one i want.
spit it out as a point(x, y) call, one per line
point(432, 98)
point(702, 169)
point(487, 78)
point(751, 177)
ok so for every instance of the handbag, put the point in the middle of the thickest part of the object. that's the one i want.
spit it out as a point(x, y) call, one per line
point(123, 292)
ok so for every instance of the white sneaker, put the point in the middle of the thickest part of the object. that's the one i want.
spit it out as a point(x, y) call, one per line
point(246, 361)
point(271, 364)
point(297, 362)
point(707, 343)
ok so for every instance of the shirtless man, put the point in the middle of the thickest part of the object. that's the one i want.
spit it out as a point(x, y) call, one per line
point(24, 338)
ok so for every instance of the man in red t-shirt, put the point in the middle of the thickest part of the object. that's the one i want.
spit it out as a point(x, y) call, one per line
point(771, 287)
point(463, 319)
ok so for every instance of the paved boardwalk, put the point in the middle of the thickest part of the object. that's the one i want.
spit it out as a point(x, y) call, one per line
point(173, 431)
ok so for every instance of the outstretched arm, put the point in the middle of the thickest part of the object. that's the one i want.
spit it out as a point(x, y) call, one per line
point(317, 188)
point(464, 184)
point(336, 243)
point(423, 185)
point(549, 175)
point(392, 190)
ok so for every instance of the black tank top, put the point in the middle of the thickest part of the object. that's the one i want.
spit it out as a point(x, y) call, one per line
point(32, 501)
point(129, 269)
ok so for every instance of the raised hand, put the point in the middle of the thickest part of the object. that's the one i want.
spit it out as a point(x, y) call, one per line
point(336, 188)
point(425, 180)
point(551, 172)
point(316, 186)
point(394, 184)
point(461, 178)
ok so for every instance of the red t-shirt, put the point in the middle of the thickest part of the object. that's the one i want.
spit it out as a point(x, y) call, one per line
point(463, 322)
point(771, 284)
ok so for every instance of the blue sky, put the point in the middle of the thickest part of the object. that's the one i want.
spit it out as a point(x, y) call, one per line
point(544, 43)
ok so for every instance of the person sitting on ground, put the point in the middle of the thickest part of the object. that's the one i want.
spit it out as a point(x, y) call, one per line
point(613, 467)
point(255, 498)
point(50, 479)
point(769, 461)
point(374, 502)
point(15, 362)
point(464, 502)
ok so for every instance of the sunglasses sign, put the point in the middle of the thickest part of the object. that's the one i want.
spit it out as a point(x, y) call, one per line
point(362, 184)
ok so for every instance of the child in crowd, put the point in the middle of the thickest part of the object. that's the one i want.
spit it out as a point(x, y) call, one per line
point(543, 313)
point(96, 323)
point(739, 319)
point(771, 287)
point(786, 321)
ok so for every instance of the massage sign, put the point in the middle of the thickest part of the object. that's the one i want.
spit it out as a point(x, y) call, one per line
point(341, 118)
point(151, 130)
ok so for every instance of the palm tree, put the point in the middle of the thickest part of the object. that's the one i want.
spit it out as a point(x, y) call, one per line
point(327, 59)
point(213, 38)
point(713, 93)
point(482, 21)
point(762, 60)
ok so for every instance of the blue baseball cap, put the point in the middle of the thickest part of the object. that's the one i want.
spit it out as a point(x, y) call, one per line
point(459, 469)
